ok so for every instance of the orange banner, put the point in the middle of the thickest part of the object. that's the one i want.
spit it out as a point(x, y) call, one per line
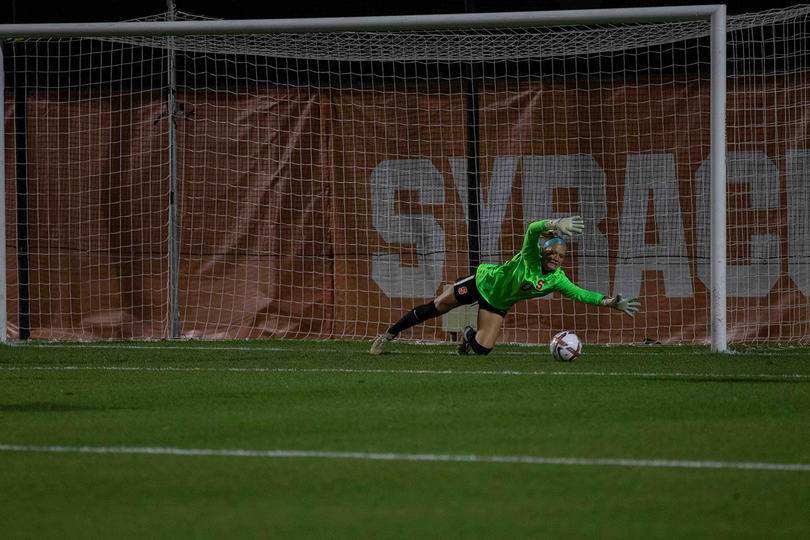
point(309, 213)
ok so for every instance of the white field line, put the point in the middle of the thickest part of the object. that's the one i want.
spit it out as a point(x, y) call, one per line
point(531, 460)
point(429, 348)
point(755, 376)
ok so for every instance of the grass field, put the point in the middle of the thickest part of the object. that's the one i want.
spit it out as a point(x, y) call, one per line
point(279, 439)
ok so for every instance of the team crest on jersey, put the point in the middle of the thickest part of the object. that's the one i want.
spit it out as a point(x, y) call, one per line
point(540, 283)
point(462, 290)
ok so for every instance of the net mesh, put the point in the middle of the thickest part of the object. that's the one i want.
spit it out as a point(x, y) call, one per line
point(327, 182)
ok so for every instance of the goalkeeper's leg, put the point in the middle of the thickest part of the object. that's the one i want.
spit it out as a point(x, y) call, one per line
point(441, 305)
point(482, 341)
point(489, 327)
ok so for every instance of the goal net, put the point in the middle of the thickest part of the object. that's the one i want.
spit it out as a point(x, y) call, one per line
point(318, 185)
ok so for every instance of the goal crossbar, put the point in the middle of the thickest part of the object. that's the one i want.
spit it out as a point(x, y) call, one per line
point(362, 24)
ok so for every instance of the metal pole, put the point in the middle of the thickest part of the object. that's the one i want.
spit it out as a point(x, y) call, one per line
point(718, 184)
point(3, 261)
point(175, 328)
point(473, 171)
point(473, 161)
point(23, 229)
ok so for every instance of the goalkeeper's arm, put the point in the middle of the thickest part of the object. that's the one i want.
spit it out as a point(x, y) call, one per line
point(627, 305)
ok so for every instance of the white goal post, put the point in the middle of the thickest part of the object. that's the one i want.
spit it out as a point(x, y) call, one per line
point(383, 123)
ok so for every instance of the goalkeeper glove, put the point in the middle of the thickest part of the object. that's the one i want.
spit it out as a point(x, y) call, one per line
point(567, 225)
point(628, 305)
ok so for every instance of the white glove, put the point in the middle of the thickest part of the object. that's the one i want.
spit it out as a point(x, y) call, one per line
point(628, 305)
point(567, 225)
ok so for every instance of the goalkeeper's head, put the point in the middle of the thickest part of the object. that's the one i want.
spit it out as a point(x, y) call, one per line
point(552, 254)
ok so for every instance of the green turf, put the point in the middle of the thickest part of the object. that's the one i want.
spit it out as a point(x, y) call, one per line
point(641, 403)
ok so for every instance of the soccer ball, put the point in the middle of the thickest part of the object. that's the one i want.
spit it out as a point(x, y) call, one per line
point(565, 346)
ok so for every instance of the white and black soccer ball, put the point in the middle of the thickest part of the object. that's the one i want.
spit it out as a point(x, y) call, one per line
point(565, 346)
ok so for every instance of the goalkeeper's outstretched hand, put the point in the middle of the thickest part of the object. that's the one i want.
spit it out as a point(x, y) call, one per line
point(628, 305)
point(567, 225)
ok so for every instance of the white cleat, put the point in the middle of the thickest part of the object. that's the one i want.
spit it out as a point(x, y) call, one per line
point(378, 347)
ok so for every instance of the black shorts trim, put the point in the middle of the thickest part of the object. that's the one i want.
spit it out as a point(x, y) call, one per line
point(466, 292)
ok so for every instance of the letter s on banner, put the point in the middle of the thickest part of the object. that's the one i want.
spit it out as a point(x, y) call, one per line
point(423, 230)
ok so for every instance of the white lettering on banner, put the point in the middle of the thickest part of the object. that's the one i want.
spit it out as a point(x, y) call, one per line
point(494, 204)
point(798, 216)
point(423, 230)
point(758, 277)
point(541, 176)
point(654, 172)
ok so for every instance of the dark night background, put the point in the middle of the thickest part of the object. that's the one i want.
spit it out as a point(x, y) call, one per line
point(24, 11)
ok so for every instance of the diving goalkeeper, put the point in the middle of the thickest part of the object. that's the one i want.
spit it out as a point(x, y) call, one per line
point(534, 272)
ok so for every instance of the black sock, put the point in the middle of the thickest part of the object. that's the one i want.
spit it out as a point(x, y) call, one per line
point(417, 315)
point(477, 347)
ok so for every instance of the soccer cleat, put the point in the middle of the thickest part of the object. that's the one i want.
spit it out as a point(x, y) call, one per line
point(463, 345)
point(378, 347)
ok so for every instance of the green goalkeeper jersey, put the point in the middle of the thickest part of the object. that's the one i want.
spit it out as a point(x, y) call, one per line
point(504, 285)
